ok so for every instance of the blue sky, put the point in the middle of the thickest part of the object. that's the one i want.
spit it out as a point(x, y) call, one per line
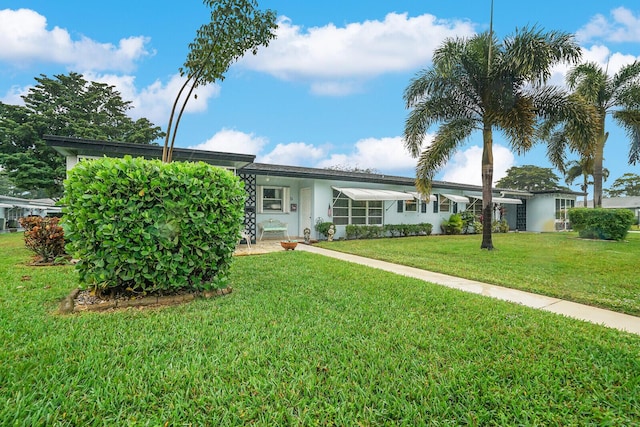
point(327, 92)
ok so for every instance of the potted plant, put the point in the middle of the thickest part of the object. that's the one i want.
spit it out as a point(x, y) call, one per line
point(289, 244)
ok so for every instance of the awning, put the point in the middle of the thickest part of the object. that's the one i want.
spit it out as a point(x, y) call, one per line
point(372, 194)
point(31, 207)
point(456, 198)
point(420, 196)
point(506, 200)
point(4, 205)
point(502, 200)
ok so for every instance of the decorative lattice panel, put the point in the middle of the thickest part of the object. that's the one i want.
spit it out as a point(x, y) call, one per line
point(250, 204)
point(521, 216)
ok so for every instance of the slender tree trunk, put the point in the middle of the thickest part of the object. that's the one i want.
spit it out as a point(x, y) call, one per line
point(598, 159)
point(487, 185)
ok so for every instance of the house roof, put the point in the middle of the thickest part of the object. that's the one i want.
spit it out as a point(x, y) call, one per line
point(630, 202)
point(88, 147)
point(244, 164)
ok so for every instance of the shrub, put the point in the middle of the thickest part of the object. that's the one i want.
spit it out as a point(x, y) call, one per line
point(148, 226)
point(453, 225)
point(322, 227)
point(500, 226)
point(468, 220)
point(44, 237)
point(606, 224)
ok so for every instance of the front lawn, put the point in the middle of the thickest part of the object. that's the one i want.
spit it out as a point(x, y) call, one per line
point(598, 273)
point(305, 340)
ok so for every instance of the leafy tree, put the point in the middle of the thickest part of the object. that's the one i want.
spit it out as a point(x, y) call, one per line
point(480, 84)
point(582, 168)
point(350, 168)
point(529, 178)
point(66, 105)
point(236, 27)
point(627, 185)
point(617, 95)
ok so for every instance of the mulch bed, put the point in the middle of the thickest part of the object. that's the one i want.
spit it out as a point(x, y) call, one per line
point(83, 300)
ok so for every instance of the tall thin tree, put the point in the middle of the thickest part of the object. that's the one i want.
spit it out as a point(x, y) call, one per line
point(463, 91)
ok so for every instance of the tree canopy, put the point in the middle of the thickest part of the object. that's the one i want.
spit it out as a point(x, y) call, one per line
point(529, 178)
point(627, 185)
point(66, 105)
point(235, 28)
point(617, 95)
point(478, 83)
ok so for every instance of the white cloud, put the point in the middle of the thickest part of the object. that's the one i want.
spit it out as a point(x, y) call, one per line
point(382, 154)
point(25, 39)
point(155, 101)
point(293, 154)
point(14, 95)
point(327, 56)
point(624, 26)
point(465, 166)
point(233, 141)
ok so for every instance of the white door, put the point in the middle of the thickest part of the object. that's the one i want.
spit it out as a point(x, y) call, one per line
point(305, 210)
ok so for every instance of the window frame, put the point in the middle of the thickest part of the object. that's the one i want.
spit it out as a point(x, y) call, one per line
point(284, 199)
point(344, 207)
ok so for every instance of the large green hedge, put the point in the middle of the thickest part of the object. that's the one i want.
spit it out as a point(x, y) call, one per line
point(149, 226)
point(606, 224)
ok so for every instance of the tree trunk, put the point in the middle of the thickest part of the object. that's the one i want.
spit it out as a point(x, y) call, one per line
point(598, 159)
point(487, 185)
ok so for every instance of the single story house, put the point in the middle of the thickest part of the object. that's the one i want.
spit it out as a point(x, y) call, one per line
point(14, 208)
point(302, 196)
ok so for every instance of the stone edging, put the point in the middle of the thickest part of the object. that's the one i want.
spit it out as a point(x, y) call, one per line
point(67, 306)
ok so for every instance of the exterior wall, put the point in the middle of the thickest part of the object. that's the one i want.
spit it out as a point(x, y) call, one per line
point(541, 212)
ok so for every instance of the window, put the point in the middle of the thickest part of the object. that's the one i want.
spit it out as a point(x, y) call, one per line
point(411, 205)
point(273, 199)
point(562, 205)
point(476, 207)
point(423, 207)
point(445, 204)
point(361, 212)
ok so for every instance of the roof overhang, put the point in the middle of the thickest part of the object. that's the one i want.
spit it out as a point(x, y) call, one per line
point(456, 198)
point(4, 205)
point(501, 200)
point(68, 146)
point(372, 194)
point(420, 196)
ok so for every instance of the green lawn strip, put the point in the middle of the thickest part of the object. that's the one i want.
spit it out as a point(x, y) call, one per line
point(598, 273)
point(306, 340)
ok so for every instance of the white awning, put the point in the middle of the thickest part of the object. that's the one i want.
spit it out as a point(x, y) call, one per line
point(506, 200)
point(456, 198)
point(421, 196)
point(4, 205)
point(502, 200)
point(372, 194)
point(32, 207)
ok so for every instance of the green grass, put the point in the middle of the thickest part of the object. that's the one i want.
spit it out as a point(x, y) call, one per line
point(597, 273)
point(305, 340)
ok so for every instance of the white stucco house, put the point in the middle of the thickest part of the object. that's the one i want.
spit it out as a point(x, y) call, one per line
point(14, 208)
point(300, 196)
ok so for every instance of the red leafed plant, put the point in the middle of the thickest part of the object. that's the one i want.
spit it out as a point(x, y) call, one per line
point(44, 237)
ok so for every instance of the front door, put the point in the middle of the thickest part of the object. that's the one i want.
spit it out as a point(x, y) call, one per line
point(521, 216)
point(305, 210)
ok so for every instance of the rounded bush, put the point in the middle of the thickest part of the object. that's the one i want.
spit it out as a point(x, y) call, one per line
point(605, 224)
point(147, 226)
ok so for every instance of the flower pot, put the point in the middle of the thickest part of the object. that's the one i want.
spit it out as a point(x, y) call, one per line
point(289, 245)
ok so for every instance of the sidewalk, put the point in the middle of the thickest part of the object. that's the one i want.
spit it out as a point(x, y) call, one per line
point(611, 319)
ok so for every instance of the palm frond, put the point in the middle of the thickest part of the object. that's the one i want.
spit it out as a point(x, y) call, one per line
point(449, 136)
point(630, 121)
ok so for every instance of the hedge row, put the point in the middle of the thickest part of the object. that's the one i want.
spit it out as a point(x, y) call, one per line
point(389, 230)
point(605, 224)
point(147, 226)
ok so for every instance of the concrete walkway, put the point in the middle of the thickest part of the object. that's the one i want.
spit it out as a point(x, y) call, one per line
point(623, 322)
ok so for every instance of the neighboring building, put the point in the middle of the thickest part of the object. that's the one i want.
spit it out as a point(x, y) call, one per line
point(630, 202)
point(300, 196)
point(14, 208)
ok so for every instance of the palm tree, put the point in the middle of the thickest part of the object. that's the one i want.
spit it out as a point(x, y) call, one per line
point(618, 95)
point(582, 168)
point(464, 91)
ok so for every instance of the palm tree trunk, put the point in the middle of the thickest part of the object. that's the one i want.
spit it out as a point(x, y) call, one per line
point(598, 160)
point(487, 184)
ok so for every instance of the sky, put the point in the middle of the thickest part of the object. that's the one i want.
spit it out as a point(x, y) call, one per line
point(327, 92)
